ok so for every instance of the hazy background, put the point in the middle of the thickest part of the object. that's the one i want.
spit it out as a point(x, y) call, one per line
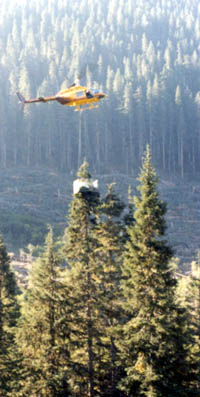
point(144, 56)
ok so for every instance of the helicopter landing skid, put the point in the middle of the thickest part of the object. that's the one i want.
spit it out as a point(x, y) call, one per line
point(80, 109)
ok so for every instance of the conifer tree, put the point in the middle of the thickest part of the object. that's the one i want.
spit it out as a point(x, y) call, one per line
point(110, 238)
point(93, 249)
point(43, 328)
point(155, 345)
point(9, 313)
point(79, 247)
point(188, 293)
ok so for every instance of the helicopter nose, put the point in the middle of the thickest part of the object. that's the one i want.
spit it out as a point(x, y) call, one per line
point(101, 96)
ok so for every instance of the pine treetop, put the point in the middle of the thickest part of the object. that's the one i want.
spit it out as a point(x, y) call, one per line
point(112, 205)
point(83, 171)
point(150, 209)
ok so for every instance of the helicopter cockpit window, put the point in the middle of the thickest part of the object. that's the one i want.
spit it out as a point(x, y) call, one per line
point(80, 94)
point(89, 94)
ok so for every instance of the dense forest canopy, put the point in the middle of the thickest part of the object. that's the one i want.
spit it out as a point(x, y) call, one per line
point(144, 55)
point(103, 312)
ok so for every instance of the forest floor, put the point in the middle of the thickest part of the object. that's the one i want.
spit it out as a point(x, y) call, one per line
point(31, 199)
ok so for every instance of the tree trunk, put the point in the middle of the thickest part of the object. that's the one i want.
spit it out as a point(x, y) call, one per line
point(90, 353)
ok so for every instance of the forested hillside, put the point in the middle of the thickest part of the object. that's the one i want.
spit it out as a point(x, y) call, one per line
point(102, 313)
point(144, 55)
point(107, 304)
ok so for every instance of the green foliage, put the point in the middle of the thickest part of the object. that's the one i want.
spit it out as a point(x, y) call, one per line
point(9, 313)
point(21, 229)
point(83, 171)
point(155, 345)
point(101, 318)
point(43, 327)
point(92, 249)
point(79, 248)
point(109, 234)
point(188, 294)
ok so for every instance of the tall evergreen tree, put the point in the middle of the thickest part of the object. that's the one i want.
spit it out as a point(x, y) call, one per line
point(43, 329)
point(79, 248)
point(188, 293)
point(9, 313)
point(92, 248)
point(110, 238)
point(155, 346)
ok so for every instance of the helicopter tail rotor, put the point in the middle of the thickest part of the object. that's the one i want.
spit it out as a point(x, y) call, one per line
point(21, 99)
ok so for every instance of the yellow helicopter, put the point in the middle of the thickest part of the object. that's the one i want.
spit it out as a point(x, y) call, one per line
point(74, 95)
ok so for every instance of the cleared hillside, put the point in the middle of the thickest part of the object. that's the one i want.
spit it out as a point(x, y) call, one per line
point(30, 199)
